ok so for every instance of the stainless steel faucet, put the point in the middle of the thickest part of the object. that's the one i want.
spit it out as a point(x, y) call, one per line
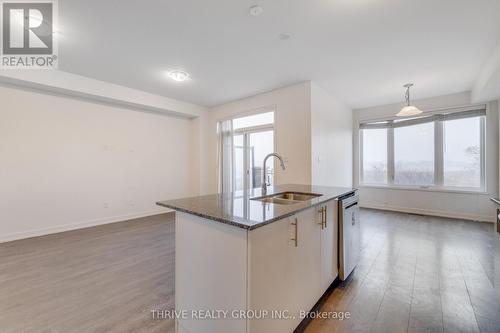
point(264, 171)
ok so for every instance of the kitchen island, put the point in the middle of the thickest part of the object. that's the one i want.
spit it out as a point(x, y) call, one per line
point(247, 263)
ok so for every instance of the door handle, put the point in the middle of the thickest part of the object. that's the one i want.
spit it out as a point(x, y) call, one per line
point(296, 232)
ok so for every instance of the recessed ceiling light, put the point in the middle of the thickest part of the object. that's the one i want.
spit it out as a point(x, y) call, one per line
point(255, 10)
point(178, 76)
point(285, 35)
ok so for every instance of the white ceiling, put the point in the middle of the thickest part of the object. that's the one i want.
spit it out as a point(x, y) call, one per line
point(362, 51)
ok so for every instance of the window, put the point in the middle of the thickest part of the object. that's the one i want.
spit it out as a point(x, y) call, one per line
point(375, 156)
point(462, 152)
point(254, 120)
point(414, 155)
point(441, 150)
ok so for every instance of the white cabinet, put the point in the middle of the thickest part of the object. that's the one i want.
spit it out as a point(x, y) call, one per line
point(333, 221)
point(272, 263)
point(307, 288)
point(284, 270)
point(329, 244)
point(290, 275)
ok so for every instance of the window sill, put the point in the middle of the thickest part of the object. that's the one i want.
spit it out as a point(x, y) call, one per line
point(425, 189)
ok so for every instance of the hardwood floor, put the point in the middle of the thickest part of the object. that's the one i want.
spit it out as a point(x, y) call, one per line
point(101, 279)
point(417, 274)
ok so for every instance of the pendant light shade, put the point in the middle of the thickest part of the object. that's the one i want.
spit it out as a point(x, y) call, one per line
point(408, 110)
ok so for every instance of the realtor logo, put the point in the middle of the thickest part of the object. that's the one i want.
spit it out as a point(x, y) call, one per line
point(28, 39)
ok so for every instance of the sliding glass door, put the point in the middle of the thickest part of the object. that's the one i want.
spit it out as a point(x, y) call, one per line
point(260, 145)
point(239, 162)
point(253, 139)
point(250, 149)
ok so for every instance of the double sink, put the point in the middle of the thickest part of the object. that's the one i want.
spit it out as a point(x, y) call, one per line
point(287, 198)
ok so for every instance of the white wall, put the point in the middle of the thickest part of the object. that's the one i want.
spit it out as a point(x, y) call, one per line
point(313, 132)
point(472, 206)
point(332, 140)
point(200, 167)
point(292, 131)
point(67, 163)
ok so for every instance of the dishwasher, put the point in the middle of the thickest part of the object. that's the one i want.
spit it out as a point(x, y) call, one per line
point(349, 234)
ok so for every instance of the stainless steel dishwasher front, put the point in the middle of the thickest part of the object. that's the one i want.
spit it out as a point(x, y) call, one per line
point(349, 234)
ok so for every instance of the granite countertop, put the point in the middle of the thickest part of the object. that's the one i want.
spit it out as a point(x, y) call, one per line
point(238, 209)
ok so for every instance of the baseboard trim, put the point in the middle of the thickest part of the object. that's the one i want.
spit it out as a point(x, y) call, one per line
point(76, 226)
point(471, 217)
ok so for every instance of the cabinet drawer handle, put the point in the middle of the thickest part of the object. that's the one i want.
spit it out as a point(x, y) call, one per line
point(324, 208)
point(323, 217)
point(296, 232)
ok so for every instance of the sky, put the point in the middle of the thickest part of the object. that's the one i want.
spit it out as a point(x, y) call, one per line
point(416, 143)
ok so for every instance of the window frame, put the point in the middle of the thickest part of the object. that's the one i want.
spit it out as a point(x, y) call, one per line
point(438, 185)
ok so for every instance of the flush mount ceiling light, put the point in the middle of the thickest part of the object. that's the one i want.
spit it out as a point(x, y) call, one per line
point(178, 76)
point(255, 10)
point(285, 36)
point(408, 110)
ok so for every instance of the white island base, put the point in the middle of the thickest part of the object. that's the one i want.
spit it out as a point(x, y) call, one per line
point(271, 272)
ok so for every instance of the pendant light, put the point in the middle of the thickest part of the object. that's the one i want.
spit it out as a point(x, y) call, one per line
point(408, 110)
